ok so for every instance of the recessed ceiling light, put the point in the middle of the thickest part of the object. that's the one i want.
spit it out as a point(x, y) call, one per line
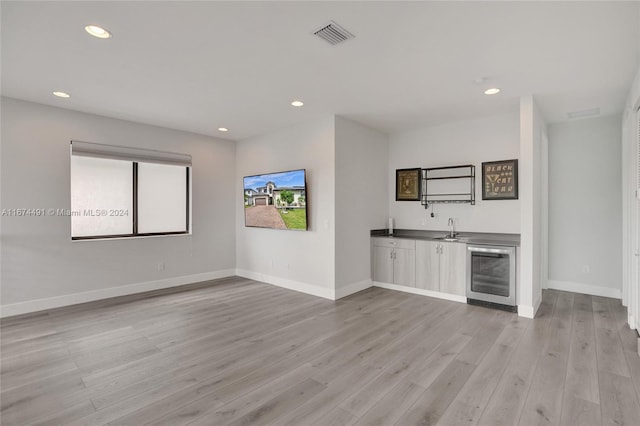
point(223, 129)
point(297, 103)
point(62, 94)
point(97, 31)
point(492, 91)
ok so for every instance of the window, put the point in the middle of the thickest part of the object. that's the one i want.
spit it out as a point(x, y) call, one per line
point(127, 192)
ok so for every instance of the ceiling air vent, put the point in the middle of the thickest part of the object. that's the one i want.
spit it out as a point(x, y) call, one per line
point(584, 113)
point(333, 33)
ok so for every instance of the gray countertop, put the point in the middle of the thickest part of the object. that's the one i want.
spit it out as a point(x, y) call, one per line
point(512, 240)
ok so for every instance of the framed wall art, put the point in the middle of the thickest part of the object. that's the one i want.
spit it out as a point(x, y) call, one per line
point(500, 180)
point(408, 184)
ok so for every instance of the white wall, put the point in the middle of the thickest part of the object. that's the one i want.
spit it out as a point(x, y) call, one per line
point(585, 206)
point(533, 131)
point(39, 260)
point(300, 260)
point(361, 201)
point(631, 206)
point(467, 142)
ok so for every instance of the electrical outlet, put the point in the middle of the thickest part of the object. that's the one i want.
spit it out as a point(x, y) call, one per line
point(586, 269)
point(160, 266)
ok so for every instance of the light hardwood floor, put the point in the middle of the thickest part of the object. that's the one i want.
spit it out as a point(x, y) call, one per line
point(241, 352)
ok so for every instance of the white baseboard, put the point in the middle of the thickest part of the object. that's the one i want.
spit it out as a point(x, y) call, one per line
point(526, 311)
point(353, 288)
point(107, 293)
point(326, 293)
point(593, 290)
point(421, 292)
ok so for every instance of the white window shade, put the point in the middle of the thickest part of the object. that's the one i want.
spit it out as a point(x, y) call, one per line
point(162, 198)
point(101, 197)
point(119, 191)
point(97, 150)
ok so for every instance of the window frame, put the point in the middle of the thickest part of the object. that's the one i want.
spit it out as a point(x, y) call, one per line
point(135, 233)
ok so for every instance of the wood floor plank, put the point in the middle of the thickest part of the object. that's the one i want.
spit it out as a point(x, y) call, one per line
point(582, 367)
point(392, 405)
point(577, 411)
point(336, 391)
point(236, 351)
point(609, 350)
point(483, 330)
point(66, 382)
point(619, 402)
point(336, 417)
point(281, 404)
point(506, 402)
point(543, 405)
point(367, 396)
point(113, 412)
point(472, 399)
point(633, 361)
point(426, 372)
point(66, 415)
point(33, 407)
point(206, 408)
point(433, 403)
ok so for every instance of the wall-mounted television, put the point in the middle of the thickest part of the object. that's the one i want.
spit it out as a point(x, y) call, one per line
point(276, 200)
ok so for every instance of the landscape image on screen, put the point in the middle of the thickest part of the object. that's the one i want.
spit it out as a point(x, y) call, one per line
point(276, 200)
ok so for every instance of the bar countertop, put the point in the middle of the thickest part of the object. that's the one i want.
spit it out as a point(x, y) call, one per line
point(488, 238)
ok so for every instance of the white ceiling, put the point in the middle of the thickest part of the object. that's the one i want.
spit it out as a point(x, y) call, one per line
point(197, 66)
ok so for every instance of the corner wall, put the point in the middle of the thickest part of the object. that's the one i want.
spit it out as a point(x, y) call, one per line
point(585, 206)
point(298, 260)
point(631, 205)
point(361, 201)
point(42, 268)
point(532, 243)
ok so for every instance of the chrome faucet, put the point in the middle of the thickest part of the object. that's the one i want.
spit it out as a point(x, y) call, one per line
point(451, 230)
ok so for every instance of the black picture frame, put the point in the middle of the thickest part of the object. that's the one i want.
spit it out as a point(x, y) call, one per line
point(500, 180)
point(408, 185)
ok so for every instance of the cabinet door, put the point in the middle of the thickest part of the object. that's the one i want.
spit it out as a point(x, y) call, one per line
point(404, 267)
point(427, 266)
point(453, 268)
point(382, 264)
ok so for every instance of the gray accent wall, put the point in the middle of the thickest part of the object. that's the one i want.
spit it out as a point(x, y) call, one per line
point(585, 199)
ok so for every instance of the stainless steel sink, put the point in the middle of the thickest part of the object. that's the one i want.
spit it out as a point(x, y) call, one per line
point(448, 237)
